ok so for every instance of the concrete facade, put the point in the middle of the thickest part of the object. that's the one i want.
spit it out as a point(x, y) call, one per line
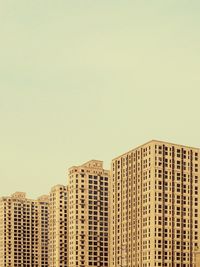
point(197, 258)
point(88, 215)
point(155, 207)
point(23, 231)
point(58, 227)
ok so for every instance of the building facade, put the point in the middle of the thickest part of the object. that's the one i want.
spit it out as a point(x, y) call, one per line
point(155, 206)
point(42, 205)
point(197, 257)
point(88, 215)
point(58, 227)
point(23, 231)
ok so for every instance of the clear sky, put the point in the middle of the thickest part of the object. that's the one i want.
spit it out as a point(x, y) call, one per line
point(83, 80)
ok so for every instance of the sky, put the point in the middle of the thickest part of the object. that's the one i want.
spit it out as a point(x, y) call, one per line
point(83, 80)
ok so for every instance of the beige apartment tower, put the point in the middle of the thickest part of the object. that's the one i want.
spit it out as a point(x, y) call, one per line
point(42, 206)
point(58, 227)
point(155, 210)
point(88, 215)
point(23, 231)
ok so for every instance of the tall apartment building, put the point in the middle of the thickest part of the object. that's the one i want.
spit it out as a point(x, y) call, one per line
point(23, 231)
point(155, 212)
point(58, 227)
point(42, 206)
point(88, 215)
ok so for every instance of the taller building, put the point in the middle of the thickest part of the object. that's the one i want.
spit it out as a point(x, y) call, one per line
point(88, 215)
point(23, 231)
point(58, 227)
point(155, 206)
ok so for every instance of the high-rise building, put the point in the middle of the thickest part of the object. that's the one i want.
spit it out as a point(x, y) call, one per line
point(88, 215)
point(23, 231)
point(42, 206)
point(58, 227)
point(155, 206)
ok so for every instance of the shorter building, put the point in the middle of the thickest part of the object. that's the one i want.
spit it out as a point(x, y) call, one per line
point(58, 227)
point(23, 231)
point(88, 215)
point(43, 229)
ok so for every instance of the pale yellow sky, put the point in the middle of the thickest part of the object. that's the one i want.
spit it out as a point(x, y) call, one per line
point(92, 79)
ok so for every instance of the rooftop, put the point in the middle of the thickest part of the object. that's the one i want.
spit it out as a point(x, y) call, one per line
point(156, 141)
